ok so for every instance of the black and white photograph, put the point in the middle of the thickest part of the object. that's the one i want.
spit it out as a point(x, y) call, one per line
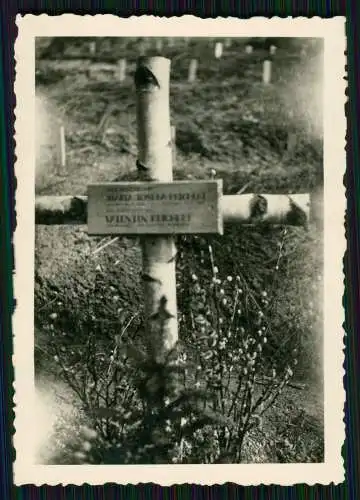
point(179, 250)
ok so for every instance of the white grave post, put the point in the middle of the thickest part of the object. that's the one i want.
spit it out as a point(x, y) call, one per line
point(62, 143)
point(192, 70)
point(266, 71)
point(143, 46)
point(92, 48)
point(157, 207)
point(218, 50)
point(159, 44)
point(249, 49)
point(292, 140)
point(155, 161)
point(159, 252)
point(273, 49)
point(122, 69)
point(173, 142)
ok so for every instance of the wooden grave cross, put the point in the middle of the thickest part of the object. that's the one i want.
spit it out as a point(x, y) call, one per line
point(157, 207)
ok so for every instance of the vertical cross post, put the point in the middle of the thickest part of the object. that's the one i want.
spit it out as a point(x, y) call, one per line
point(155, 164)
point(272, 50)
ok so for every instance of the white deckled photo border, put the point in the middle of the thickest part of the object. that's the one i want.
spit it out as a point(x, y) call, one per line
point(333, 33)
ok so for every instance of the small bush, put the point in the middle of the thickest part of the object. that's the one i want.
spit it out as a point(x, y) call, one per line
point(202, 401)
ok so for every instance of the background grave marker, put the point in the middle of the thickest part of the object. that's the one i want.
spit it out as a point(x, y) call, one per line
point(159, 44)
point(122, 69)
point(192, 70)
point(218, 50)
point(62, 146)
point(92, 48)
point(267, 71)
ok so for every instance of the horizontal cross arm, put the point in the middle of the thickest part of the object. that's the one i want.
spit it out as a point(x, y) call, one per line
point(250, 208)
point(52, 210)
point(294, 209)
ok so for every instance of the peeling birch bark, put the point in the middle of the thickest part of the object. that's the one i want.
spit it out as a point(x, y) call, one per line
point(152, 78)
point(293, 209)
